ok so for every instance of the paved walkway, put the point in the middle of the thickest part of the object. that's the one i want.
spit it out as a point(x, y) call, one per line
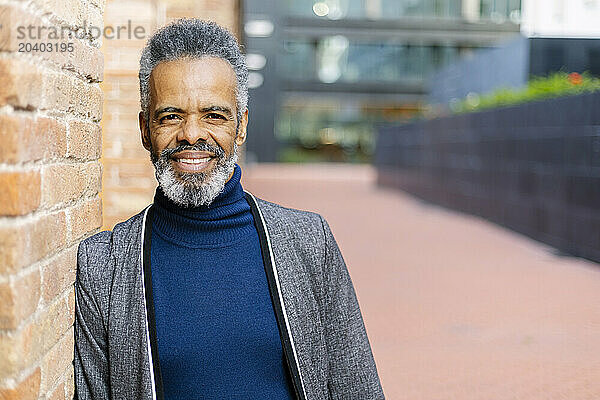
point(455, 307)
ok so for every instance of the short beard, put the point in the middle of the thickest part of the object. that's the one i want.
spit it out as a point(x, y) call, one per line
point(193, 189)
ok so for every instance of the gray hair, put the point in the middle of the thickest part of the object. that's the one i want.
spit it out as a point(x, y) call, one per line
point(193, 38)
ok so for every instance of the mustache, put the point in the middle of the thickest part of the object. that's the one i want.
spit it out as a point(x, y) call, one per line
point(217, 151)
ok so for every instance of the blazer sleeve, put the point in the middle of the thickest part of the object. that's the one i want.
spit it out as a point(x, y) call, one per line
point(352, 370)
point(91, 354)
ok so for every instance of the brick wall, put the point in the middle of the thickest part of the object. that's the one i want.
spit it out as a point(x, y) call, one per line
point(128, 180)
point(50, 176)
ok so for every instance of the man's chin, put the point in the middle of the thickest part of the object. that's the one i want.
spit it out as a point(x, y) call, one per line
point(192, 176)
point(194, 188)
point(195, 177)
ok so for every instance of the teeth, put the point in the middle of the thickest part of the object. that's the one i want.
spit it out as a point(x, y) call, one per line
point(194, 160)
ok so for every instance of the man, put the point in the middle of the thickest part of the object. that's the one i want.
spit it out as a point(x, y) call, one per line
point(210, 292)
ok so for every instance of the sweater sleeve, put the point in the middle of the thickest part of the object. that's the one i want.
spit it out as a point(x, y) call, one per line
point(91, 355)
point(352, 370)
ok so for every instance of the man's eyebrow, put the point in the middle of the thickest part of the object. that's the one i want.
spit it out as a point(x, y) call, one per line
point(167, 109)
point(225, 110)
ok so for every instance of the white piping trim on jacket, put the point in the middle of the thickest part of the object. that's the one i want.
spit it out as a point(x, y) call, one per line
point(285, 317)
point(152, 381)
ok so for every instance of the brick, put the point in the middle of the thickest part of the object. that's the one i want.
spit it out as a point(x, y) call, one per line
point(64, 12)
point(56, 362)
point(114, 130)
point(20, 84)
point(71, 305)
point(27, 242)
point(19, 299)
point(27, 389)
point(11, 17)
point(85, 140)
point(26, 139)
point(87, 61)
point(58, 393)
point(122, 92)
point(58, 91)
point(83, 58)
point(95, 104)
point(14, 347)
point(16, 137)
point(84, 219)
point(27, 346)
point(96, 23)
point(66, 93)
point(86, 100)
point(58, 274)
point(53, 134)
point(64, 183)
point(100, 4)
point(70, 383)
point(21, 192)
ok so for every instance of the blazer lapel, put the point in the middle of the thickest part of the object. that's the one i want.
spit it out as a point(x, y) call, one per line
point(281, 315)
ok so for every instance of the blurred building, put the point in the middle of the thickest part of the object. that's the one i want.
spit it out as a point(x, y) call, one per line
point(511, 66)
point(557, 35)
point(561, 18)
point(325, 73)
point(128, 175)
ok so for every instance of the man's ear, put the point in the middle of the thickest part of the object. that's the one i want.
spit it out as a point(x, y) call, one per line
point(145, 131)
point(242, 130)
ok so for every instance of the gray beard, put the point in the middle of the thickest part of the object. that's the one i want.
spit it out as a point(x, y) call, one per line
point(193, 189)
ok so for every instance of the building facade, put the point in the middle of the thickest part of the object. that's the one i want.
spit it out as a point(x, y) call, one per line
point(325, 73)
point(559, 18)
point(556, 35)
point(511, 66)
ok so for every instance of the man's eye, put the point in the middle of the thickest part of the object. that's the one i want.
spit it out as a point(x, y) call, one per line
point(170, 117)
point(216, 116)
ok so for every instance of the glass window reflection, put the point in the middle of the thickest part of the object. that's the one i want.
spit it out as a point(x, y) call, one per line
point(337, 59)
point(326, 128)
point(501, 10)
point(373, 9)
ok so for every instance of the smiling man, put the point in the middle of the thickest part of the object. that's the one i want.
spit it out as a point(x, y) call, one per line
point(210, 292)
point(194, 138)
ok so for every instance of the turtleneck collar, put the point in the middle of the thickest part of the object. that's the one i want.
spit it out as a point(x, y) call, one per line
point(226, 220)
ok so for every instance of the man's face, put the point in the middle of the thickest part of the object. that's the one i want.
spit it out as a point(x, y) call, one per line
point(192, 134)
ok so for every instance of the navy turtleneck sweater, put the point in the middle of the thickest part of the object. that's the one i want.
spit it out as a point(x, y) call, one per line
point(216, 330)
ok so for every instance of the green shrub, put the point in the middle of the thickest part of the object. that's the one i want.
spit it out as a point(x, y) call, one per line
point(557, 84)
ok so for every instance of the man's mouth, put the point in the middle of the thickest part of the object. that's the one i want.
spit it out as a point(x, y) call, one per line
point(192, 161)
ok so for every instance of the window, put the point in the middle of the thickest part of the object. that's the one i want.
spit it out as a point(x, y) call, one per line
point(375, 9)
point(337, 59)
point(501, 10)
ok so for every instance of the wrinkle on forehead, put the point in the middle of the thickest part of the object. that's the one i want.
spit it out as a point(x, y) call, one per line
point(194, 82)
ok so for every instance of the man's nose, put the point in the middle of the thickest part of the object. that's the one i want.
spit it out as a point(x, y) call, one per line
point(192, 131)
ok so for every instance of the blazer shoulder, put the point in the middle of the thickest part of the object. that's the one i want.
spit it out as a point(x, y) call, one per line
point(96, 252)
point(283, 213)
point(305, 227)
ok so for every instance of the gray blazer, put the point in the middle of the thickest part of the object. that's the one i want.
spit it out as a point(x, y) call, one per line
point(324, 341)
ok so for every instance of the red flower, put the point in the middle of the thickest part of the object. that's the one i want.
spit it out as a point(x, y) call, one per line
point(575, 78)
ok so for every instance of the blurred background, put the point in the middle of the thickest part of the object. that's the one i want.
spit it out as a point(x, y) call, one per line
point(453, 146)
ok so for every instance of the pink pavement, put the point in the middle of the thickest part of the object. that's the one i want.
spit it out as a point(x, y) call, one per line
point(455, 307)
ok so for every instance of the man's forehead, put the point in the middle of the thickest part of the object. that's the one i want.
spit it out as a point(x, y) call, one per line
point(208, 78)
point(206, 66)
